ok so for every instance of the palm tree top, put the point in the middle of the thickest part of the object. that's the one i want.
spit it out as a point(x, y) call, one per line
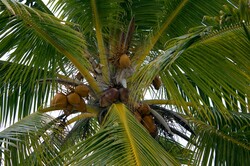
point(127, 79)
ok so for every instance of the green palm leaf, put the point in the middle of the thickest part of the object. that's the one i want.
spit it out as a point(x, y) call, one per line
point(81, 130)
point(49, 30)
point(177, 150)
point(231, 72)
point(33, 140)
point(120, 140)
point(20, 91)
point(170, 19)
point(183, 66)
point(197, 49)
point(38, 4)
point(222, 142)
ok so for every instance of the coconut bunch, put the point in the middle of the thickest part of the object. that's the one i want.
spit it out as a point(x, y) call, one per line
point(113, 95)
point(143, 115)
point(142, 110)
point(72, 101)
point(156, 119)
point(123, 68)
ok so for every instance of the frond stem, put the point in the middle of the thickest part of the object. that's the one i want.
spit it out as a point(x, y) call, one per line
point(167, 102)
point(62, 81)
point(227, 137)
point(157, 35)
point(100, 43)
point(123, 116)
point(90, 108)
point(162, 121)
point(81, 116)
point(49, 109)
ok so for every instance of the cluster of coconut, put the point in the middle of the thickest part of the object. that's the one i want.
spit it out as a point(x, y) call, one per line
point(72, 101)
point(142, 110)
point(113, 95)
point(143, 115)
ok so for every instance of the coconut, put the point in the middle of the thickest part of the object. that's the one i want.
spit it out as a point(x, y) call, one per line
point(59, 100)
point(52, 102)
point(82, 90)
point(74, 99)
point(68, 110)
point(144, 109)
point(138, 116)
point(156, 83)
point(104, 102)
point(135, 105)
point(69, 107)
point(110, 96)
point(124, 94)
point(149, 124)
point(82, 106)
point(124, 61)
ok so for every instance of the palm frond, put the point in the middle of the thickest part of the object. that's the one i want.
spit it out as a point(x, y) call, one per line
point(207, 65)
point(93, 23)
point(38, 4)
point(224, 142)
point(223, 63)
point(43, 29)
point(108, 12)
point(20, 91)
point(176, 149)
point(144, 77)
point(100, 42)
point(81, 130)
point(121, 139)
point(170, 19)
point(169, 114)
point(32, 140)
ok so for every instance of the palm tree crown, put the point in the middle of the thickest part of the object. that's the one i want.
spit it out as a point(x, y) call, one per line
point(130, 81)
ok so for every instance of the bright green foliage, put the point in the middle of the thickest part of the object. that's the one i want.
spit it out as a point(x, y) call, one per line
point(120, 140)
point(199, 49)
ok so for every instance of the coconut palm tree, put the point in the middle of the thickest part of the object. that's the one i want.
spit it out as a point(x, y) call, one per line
point(118, 82)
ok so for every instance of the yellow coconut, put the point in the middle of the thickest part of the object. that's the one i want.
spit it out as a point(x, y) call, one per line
point(144, 109)
point(157, 83)
point(82, 90)
point(138, 116)
point(124, 61)
point(59, 100)
point(110, 96)
point(149, 124)
point(69, 107)
point(82, 106)
point(124, 94)
point(104, 102)
point(74, 99)
point(52, 102)
point(136, 105)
